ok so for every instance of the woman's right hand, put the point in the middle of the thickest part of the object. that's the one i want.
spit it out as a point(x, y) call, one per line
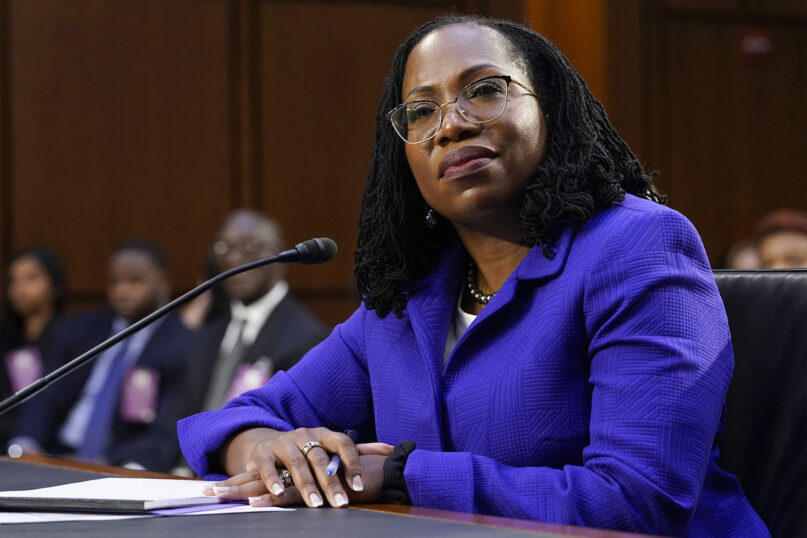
point(253, 458)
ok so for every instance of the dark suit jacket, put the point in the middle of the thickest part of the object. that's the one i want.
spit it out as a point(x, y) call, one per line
point(287, 334)
point(153, 445)
point(43, 343)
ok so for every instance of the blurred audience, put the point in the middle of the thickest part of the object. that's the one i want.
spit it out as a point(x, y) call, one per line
point(743, 255)
point(123, 408)
point(264, 328)
point(34, 297)
point(782, 239)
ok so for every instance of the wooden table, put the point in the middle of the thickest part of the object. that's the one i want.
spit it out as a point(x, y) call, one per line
point(357, 521)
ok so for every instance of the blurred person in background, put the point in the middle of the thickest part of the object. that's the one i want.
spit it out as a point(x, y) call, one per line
point(32, 308)
point(743, 255)
point(782, 239)
point(123, 409)
point(262, 330)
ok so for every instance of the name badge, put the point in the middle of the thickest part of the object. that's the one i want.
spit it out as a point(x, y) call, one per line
point(250, 376)
point(139, 395)
point(24, 366)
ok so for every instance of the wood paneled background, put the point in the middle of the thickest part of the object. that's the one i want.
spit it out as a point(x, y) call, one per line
point(155, 118)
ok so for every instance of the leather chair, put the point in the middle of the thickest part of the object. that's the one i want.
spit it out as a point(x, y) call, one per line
point(765, 442)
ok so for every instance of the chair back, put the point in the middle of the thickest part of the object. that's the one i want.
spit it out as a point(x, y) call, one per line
point(765, 442)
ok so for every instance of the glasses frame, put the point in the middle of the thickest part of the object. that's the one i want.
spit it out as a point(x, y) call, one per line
point(506, 78)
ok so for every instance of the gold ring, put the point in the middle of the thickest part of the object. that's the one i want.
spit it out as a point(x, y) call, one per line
point(309, 445)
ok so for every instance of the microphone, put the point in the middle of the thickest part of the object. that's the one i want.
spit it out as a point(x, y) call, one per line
point(311, 252)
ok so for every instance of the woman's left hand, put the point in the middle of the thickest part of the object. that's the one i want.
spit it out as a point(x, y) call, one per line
point(248, 485)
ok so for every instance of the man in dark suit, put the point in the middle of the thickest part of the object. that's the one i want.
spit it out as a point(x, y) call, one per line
point(265, 329)
point(123, 409)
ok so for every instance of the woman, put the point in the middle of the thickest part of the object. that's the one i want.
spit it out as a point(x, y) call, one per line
point(35, 288)
point(548, 335)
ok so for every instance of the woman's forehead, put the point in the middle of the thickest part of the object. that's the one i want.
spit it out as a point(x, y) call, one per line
point(453, 51)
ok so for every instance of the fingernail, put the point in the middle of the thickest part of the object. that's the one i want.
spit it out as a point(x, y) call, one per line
point(207, 489)
point(261, 500)
point(315, 500)
point(221, 490)
point(339, 500)
point(277, 489)
point(358, 485)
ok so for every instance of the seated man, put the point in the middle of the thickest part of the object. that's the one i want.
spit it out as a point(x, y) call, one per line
point(123, 408)
point(264, 330)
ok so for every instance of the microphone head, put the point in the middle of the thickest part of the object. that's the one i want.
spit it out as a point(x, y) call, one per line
point(317, 250)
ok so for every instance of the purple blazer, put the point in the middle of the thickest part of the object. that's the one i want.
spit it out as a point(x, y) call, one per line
point(587, 392)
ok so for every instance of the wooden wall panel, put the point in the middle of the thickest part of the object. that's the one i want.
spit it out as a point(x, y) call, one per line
point(734, 126)
point(119, 126)
point(578, 28)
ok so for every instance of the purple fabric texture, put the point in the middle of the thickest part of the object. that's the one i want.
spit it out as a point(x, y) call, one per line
point(588, 391)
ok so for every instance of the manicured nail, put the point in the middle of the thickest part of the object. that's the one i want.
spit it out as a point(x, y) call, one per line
point(207, 489)
point(339, 500)
point(315, 500)
point(358, 485)
point(221, 490)
point(260, 500)
point(277, 489)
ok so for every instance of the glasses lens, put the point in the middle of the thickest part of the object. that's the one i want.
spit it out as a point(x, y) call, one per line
point(416, 121)
point(484, 100)
point(248, 248)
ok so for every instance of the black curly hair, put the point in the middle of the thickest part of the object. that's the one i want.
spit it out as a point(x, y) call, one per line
point(586, 167)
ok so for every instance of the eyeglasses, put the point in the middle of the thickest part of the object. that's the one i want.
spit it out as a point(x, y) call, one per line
point(479, 102)
point(247, 248)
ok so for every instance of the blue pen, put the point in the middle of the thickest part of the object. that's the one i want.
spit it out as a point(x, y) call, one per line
point(335, 462)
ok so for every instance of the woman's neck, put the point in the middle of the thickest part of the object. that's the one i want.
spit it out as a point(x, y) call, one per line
point(495, 260)
point(35, 324)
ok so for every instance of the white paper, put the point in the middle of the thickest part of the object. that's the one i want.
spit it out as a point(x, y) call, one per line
point(50, 517)
point(127, 489)
point(151, 489)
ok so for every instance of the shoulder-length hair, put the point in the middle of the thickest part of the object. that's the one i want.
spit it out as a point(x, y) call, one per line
point(11, 323)
point(586, 167)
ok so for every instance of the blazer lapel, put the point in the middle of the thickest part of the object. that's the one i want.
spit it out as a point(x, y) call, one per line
point(534, 267)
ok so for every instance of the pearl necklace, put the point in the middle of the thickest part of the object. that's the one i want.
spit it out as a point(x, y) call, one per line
point(476, 294)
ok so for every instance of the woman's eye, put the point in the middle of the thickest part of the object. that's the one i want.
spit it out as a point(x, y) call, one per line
point(484, 89)
point(418, 113)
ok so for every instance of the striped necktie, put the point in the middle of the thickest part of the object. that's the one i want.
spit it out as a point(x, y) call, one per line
point(224, 371)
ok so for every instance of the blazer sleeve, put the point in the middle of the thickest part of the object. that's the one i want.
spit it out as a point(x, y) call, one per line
point(661, 361)
point(329, 387)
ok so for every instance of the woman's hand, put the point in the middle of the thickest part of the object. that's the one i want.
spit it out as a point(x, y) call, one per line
point(254, 457)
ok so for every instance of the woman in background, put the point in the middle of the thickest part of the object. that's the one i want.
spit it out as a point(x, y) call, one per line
point(32, 308)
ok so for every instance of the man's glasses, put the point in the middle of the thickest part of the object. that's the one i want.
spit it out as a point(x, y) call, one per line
point(248, 248)
point(478, 102)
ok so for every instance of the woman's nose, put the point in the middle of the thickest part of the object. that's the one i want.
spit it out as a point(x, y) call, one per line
point(455, 127)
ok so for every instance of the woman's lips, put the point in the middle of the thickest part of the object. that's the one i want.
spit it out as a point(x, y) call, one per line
point(464, 160)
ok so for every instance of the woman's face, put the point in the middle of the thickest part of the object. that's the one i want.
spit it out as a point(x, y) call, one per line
point(29, 289)
point(474, 174)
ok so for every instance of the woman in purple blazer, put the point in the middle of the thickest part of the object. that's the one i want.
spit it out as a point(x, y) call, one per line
point(539, 336)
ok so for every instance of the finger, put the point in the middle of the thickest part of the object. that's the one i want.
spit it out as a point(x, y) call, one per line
point(291, 456)
point(331, 485)
point(291, 497)
point(344, 446)
point(242, 478)
point(244, 491)
point(375, 449)
point(270, 476)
